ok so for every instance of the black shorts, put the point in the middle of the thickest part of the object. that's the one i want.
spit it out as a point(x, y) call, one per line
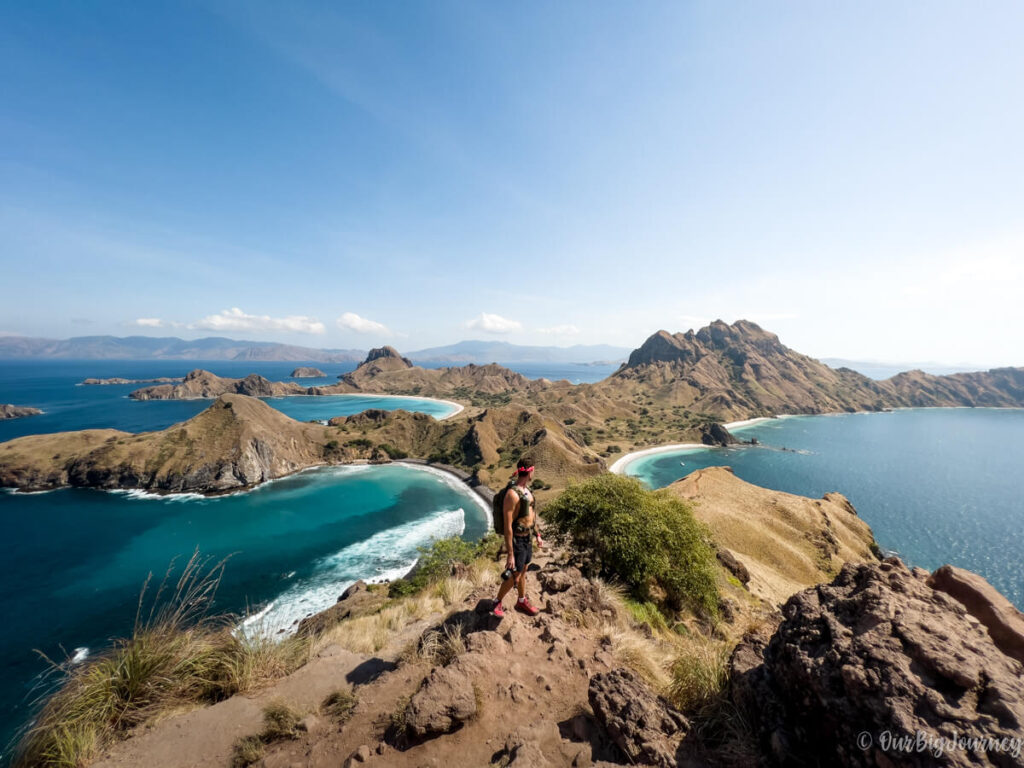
point(522, 550)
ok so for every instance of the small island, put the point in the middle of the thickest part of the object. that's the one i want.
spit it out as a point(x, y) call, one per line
point(306, 372)
point(17, 411)
point(90, 382)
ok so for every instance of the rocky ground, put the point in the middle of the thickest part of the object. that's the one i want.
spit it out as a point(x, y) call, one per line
point(881, 649)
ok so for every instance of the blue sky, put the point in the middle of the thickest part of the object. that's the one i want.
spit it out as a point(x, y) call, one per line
point(347, 174)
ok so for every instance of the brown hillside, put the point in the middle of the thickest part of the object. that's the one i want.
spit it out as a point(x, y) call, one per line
point(786, 542)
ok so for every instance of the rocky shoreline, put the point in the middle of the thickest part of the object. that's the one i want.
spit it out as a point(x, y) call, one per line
point(17, 411)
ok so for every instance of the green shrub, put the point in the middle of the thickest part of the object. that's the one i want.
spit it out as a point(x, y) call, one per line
point(649, 540)
point(647, 613)
point(360, 442)
point(394, 453)
point(436, 561)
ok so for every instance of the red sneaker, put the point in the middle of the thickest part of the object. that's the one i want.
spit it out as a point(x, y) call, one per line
point(498, 610)
point(523, 606)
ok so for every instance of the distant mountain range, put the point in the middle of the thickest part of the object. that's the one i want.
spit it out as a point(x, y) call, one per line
point(878, 370)
point(167, 348)
point(484, 352)
point(219, 348)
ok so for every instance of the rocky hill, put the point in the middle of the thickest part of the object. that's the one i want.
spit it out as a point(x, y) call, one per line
point(741, 371)
point(241, 441)
point(387, 372)
point(200, 384)
point(237, 442)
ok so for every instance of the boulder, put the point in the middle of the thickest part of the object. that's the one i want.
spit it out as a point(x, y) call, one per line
point(1002, 619)
point(733, 566)
point(713, 433)
point(873, 658)
point(558, 580)
point(644, 726)
point(444, 701)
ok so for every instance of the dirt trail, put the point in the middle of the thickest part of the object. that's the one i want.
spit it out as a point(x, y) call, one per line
point(526, 678)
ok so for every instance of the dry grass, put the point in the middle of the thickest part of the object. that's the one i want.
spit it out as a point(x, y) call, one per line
point(176, 657)
point(339, 705)
point(369, 634)
point(442, 645)
point(700, 673)
point(246, 751)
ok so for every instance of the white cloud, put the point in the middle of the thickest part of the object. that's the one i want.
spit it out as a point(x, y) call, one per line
point(353, 322)
point(560, 330)
point(489, 323)
point(149, 322)
point(235, 319)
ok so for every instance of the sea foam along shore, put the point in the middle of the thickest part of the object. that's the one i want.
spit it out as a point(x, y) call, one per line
point(619, 467)
point(385, 556)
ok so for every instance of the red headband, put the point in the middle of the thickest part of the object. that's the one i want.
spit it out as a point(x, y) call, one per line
point(524, 470)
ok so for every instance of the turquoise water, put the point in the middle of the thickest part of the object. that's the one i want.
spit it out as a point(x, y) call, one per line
point(75, 559)
point(936, 485)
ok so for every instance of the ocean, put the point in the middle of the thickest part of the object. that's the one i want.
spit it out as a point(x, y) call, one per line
point(937, 485)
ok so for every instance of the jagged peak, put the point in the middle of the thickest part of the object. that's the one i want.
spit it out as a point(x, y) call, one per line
point(386, 353)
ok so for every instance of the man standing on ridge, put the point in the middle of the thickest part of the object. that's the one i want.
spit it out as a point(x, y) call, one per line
point(520, 518)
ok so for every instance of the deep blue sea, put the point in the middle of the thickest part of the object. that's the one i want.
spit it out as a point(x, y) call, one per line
point(75, 559)
point(936, 485)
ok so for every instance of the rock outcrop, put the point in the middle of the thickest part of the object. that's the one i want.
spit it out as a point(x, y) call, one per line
point(357, 600)
point(714, 433)
point(444, 701)
point(999, 616)
point(17, 411)
point(644, 726)
point(865, 670)
point(306, 372)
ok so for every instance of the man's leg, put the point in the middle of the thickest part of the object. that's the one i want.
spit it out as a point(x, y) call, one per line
point(506, 587)
point(521, 583)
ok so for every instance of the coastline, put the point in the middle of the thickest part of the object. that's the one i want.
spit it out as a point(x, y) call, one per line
point(619, 466)
point(458, 408)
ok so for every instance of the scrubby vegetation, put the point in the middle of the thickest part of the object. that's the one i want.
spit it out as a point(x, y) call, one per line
point(280, 721)
point(649, 540)
point(177, 655)
point(437, 559)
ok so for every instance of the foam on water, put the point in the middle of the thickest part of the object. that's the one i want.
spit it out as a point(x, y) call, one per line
point(385, 556)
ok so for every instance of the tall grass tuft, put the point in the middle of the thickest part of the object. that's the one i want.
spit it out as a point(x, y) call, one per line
point(177, 655)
